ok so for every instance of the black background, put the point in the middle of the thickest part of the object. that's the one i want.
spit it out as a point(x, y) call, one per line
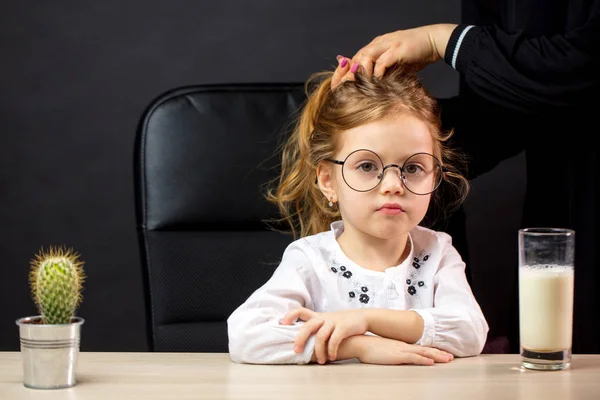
point(74, 80)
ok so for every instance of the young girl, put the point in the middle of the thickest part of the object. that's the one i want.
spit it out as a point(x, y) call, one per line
point(364, 280)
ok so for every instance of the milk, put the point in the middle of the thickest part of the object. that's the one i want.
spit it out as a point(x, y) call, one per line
point(546, 307)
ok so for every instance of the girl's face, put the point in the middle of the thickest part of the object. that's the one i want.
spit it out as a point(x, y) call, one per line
point(389, 211)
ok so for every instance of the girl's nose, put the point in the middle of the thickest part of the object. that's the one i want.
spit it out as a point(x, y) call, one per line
point(391, 182)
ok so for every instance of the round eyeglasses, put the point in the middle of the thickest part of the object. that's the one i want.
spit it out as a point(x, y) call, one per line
point(363, 170)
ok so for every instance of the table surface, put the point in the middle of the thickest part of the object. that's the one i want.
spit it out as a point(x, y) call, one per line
point(148, 376)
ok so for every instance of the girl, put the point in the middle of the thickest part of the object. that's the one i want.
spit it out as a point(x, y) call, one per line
point(364, 280)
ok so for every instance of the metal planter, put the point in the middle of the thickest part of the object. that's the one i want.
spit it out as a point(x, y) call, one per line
point(49, 352)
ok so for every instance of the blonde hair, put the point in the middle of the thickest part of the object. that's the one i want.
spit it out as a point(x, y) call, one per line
point(316, 132)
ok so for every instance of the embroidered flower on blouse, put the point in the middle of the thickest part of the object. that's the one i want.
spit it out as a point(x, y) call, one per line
point(345, 274)
point(357, 289)
point(363, 297)
point(413, 283)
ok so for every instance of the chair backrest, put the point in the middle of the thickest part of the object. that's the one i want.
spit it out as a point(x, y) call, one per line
point(202, 156)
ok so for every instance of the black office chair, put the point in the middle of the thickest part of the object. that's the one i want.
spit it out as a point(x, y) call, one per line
point(202, 155)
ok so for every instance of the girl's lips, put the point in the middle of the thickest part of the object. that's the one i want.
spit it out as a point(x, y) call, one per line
point(390, 211)
point(391, 206)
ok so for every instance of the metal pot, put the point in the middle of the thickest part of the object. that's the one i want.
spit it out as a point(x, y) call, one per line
point(49, 352)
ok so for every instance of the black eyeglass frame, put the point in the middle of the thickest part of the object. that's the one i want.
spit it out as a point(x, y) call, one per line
point(385, 167)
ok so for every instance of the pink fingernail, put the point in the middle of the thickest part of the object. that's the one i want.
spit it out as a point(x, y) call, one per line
point(354, 68)
point(344, 62)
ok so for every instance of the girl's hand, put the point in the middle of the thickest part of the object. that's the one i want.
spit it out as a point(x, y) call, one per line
point(330, 329)
point(379, 350)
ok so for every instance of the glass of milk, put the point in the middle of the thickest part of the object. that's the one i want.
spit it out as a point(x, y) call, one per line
point(546, 280)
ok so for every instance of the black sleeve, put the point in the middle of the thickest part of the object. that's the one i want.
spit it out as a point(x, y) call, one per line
point(485, 144)
point(528, 74)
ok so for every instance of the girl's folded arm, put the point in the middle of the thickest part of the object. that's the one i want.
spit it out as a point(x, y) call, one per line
point(255, 335)
point(455, 323)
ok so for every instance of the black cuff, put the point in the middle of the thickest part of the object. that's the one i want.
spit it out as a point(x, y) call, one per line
point(461, 40)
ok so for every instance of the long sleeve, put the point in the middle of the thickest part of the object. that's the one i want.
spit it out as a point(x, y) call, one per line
point(529, 74)
point(455, 323)
point(255, 335)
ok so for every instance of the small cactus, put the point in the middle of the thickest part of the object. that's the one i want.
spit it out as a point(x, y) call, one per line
point(56, 279)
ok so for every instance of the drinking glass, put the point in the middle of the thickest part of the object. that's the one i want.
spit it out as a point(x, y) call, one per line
point(546, 283)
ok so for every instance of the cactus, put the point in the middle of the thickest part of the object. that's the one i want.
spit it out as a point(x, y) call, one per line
point(56, 279)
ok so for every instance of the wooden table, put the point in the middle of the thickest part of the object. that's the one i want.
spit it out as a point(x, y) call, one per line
point(148, 376)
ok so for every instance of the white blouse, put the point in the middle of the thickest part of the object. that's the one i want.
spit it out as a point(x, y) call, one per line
point(315, 273)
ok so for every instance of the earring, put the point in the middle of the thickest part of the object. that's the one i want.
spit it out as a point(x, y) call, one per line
point(331, 202)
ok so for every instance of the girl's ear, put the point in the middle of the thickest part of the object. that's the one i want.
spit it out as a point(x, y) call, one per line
point(327, 181)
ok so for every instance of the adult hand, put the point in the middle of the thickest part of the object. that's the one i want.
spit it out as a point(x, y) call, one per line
point(417, 46)
point(329, 328)
point(380, 350)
